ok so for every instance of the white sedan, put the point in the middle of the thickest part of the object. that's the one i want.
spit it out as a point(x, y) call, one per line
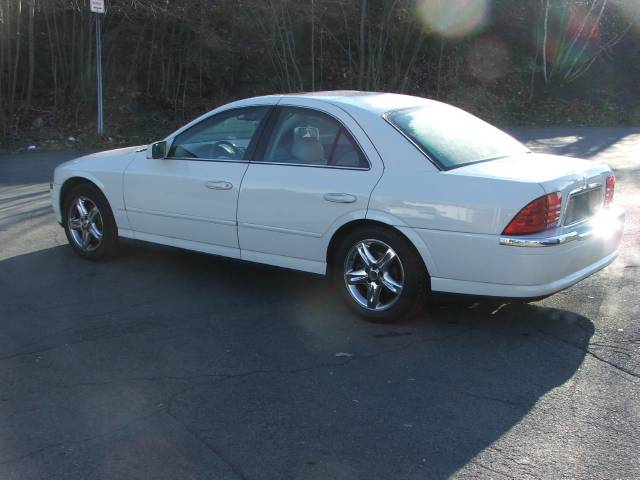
point(394, 196)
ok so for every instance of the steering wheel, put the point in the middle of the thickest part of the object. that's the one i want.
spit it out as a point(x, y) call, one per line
point(223, 149)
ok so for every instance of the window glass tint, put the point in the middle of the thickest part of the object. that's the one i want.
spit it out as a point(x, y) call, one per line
point(453, 137)
point(346, 153)
point(225, 136)
point(308, 137)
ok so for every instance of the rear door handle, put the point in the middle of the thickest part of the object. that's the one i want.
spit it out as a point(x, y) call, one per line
point(340, 197)
point(218, 185)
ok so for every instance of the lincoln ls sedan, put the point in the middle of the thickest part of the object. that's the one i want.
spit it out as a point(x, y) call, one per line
point(392, 196)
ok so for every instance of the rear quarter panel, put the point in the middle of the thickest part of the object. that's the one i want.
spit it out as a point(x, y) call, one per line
point(436, 200)
point(456, 219)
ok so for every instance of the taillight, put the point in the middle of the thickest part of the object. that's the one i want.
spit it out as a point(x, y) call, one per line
point(609, 189)
point(540, 215)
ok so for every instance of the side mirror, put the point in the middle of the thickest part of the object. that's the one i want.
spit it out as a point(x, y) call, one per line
point(157, 150)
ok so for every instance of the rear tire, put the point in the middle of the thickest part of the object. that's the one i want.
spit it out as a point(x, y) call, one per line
point(379, 274)
point(88, 223)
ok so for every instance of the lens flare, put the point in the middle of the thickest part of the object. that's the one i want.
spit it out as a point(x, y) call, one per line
point(454, 18)
point(489, 59)
point(573, 36)
point(629, 11)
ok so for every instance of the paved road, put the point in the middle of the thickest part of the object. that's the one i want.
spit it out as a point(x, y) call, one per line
point(167, 364)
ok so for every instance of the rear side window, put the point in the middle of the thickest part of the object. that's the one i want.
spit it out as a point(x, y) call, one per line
point(302, 136)
point(452, 137)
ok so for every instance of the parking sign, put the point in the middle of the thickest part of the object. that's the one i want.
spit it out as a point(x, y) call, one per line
point(97, 6)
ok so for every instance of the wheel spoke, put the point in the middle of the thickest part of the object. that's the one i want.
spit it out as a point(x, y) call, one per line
point(85, 239)
point(356, 277)
point(365, 254)
point(92, 214)
point(82, 210)
point(390, 284)
point(373, 295)
point(386, 259)
point(95, 233)
point(75, 224)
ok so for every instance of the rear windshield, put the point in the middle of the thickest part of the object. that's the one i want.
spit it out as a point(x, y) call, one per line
point(452, 137)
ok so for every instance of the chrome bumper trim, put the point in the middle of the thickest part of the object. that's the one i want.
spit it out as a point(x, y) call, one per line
point(582, 231)
point(539, 242)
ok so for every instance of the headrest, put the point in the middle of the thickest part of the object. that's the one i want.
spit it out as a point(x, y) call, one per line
point(306, 146)
point(306, 133)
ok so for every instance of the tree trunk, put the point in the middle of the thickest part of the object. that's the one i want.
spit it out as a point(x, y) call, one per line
point(361, 46)
point(544, 42)
point(16, 63)
point(313, 49)
point(440, 68)
point(32, 7)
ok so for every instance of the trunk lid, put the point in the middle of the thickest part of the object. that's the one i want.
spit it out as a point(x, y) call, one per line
point(580, 182)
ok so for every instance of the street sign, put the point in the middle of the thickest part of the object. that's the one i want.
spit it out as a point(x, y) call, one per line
point(97, 6)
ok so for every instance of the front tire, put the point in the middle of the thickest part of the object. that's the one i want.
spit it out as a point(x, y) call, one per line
point(89, 223)
point(380, 274)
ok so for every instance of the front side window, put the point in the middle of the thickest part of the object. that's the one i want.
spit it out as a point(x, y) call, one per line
point(308, 137)
point(453, 137)
point(225, 136)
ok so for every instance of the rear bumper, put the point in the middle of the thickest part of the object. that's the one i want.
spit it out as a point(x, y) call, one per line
point(519, 291)
point(523, 267)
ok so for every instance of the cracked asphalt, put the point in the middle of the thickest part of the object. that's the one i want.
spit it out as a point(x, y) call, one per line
point(167, 364)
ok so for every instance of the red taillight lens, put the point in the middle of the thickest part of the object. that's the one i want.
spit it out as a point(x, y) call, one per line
point(540, 215)
point(608, 192)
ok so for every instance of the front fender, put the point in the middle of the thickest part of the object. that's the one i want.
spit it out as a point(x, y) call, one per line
point(110, 184)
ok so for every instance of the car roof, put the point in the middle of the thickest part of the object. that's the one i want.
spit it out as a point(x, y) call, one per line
point(376, 103)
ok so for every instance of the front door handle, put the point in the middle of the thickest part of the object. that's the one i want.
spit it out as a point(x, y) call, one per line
point(218, 185)
point(340, 197)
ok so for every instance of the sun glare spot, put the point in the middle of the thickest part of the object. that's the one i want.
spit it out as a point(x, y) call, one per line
point(454, 18)
point(605, 225)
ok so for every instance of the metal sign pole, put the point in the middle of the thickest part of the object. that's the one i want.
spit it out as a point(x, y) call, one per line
point(99, 75)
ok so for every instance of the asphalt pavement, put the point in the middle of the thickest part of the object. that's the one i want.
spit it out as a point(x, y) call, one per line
point(168, 364)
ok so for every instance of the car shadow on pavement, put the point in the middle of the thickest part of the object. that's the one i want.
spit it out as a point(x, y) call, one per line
point(581, 142)
point(166, 364)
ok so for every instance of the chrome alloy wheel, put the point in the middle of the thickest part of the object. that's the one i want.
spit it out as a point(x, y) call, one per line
point(85, 224)
point(373, 274)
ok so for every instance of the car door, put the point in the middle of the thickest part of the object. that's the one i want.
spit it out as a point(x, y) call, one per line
point(189, 198)
point(314, 169)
